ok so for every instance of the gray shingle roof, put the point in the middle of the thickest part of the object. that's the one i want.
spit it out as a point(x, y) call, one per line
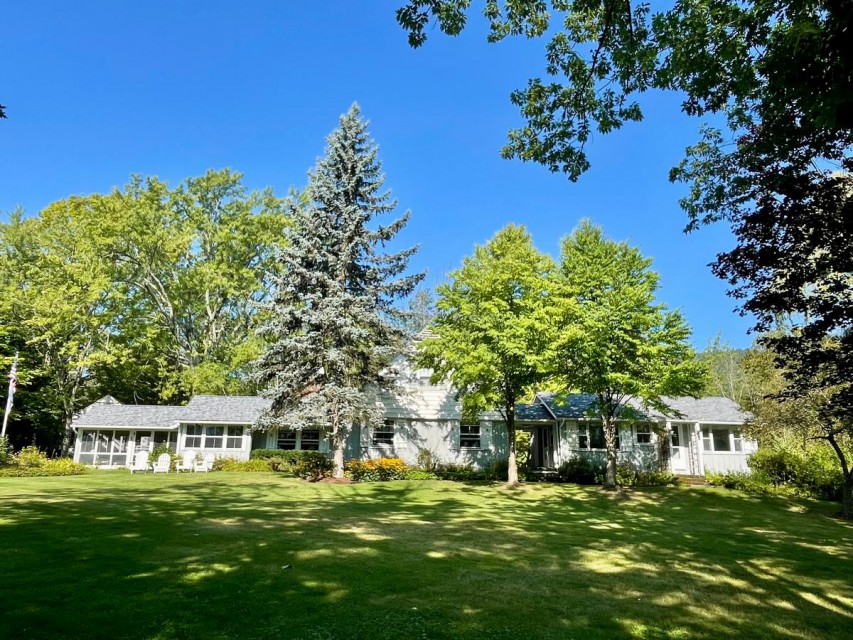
point(244, 409)
point(111, 414)
point(711, 409)
point(533, 412)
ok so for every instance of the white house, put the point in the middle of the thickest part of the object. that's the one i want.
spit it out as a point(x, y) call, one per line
point(701, 434)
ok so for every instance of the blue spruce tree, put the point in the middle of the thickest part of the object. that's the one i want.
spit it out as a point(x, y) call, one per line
point(334, 323)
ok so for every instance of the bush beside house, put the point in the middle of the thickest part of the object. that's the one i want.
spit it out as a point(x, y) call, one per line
point(29, 462)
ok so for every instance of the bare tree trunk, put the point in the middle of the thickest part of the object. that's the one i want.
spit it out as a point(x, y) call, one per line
point(609, 423)
point(512, 466)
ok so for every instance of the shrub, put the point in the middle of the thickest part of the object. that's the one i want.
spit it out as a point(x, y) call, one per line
point(628, 476)
point(579, 470)
point(741, 481)
point(32, 462)
point(378, 470)
point(427, 460)
point(312, 465)
point(6, 453)
point(229, 464)
point(281, 460)
point(458, 472)
point(497, 470)
point(807, 472)
point(266, 454)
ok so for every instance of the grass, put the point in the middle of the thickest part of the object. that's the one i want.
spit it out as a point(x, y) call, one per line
point(232, 555)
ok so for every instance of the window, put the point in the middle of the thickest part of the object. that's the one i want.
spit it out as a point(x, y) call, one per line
point(384, 435)
point(644, 434)
point(310, 440)
point(721, 440)
point(469, 436)
point(737, 440)
point(592, 437)
point(193, 439)
point(675, 436)
point(305, 440)
point(286, 440)
point(235, 438)
point(213, 437)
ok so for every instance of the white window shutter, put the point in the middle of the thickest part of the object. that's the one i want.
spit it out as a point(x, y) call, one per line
point(364, 436)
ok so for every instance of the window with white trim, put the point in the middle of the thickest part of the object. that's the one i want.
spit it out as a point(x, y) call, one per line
point(721, 440)
point(469, 436)
point(592, 436)
point(235, 437)
point(304, 440)
point(384, 434)
point(644, 434)
point(213, 437)
point(193, 438)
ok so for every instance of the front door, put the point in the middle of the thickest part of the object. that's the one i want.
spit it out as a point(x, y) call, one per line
point(679, 459)
point(543, 448)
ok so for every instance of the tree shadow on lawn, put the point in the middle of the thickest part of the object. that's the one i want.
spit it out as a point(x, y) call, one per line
point(262, 557)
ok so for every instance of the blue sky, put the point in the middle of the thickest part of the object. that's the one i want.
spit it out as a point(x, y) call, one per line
point(97, 90)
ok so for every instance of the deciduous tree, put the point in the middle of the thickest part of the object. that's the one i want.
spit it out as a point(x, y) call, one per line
point(490, 332)
point(611, 338)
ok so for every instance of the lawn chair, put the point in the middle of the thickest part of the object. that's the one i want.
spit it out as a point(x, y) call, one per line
point(140, 462)
point(187, 463)
point(163, 464)
point(205, 465)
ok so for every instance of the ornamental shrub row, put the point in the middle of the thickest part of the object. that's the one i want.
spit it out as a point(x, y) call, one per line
point(378, 470)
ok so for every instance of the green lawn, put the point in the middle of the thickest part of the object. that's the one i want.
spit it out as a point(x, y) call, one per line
point(110, 555)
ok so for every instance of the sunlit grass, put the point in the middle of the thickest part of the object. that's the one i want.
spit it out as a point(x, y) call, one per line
point(110, 555)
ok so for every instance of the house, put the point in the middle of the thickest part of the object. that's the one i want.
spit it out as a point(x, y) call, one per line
point(701, 434)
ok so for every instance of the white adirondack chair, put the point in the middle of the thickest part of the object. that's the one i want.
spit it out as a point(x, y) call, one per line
point(187, 463)
point(164, 462)
point(204, 465)
point(140, 462)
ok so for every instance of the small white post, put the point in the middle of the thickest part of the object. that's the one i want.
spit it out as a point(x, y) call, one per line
point(700, 449)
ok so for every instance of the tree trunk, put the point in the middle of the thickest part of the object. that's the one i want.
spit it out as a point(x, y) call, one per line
point(847, 475)
point(512, 466)
point(847, 496)
point(609, 423)
point(337, 449)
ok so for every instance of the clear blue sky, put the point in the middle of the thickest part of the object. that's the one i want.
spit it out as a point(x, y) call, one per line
point(97, 90)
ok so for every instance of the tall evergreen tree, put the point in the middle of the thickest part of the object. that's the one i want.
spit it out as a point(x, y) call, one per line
point(334, 324)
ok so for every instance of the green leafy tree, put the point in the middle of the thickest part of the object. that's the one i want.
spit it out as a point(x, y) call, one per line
point(490, 331)
point(58, 296)
point(727, 376)
point(610, 337)
point(333, 324)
